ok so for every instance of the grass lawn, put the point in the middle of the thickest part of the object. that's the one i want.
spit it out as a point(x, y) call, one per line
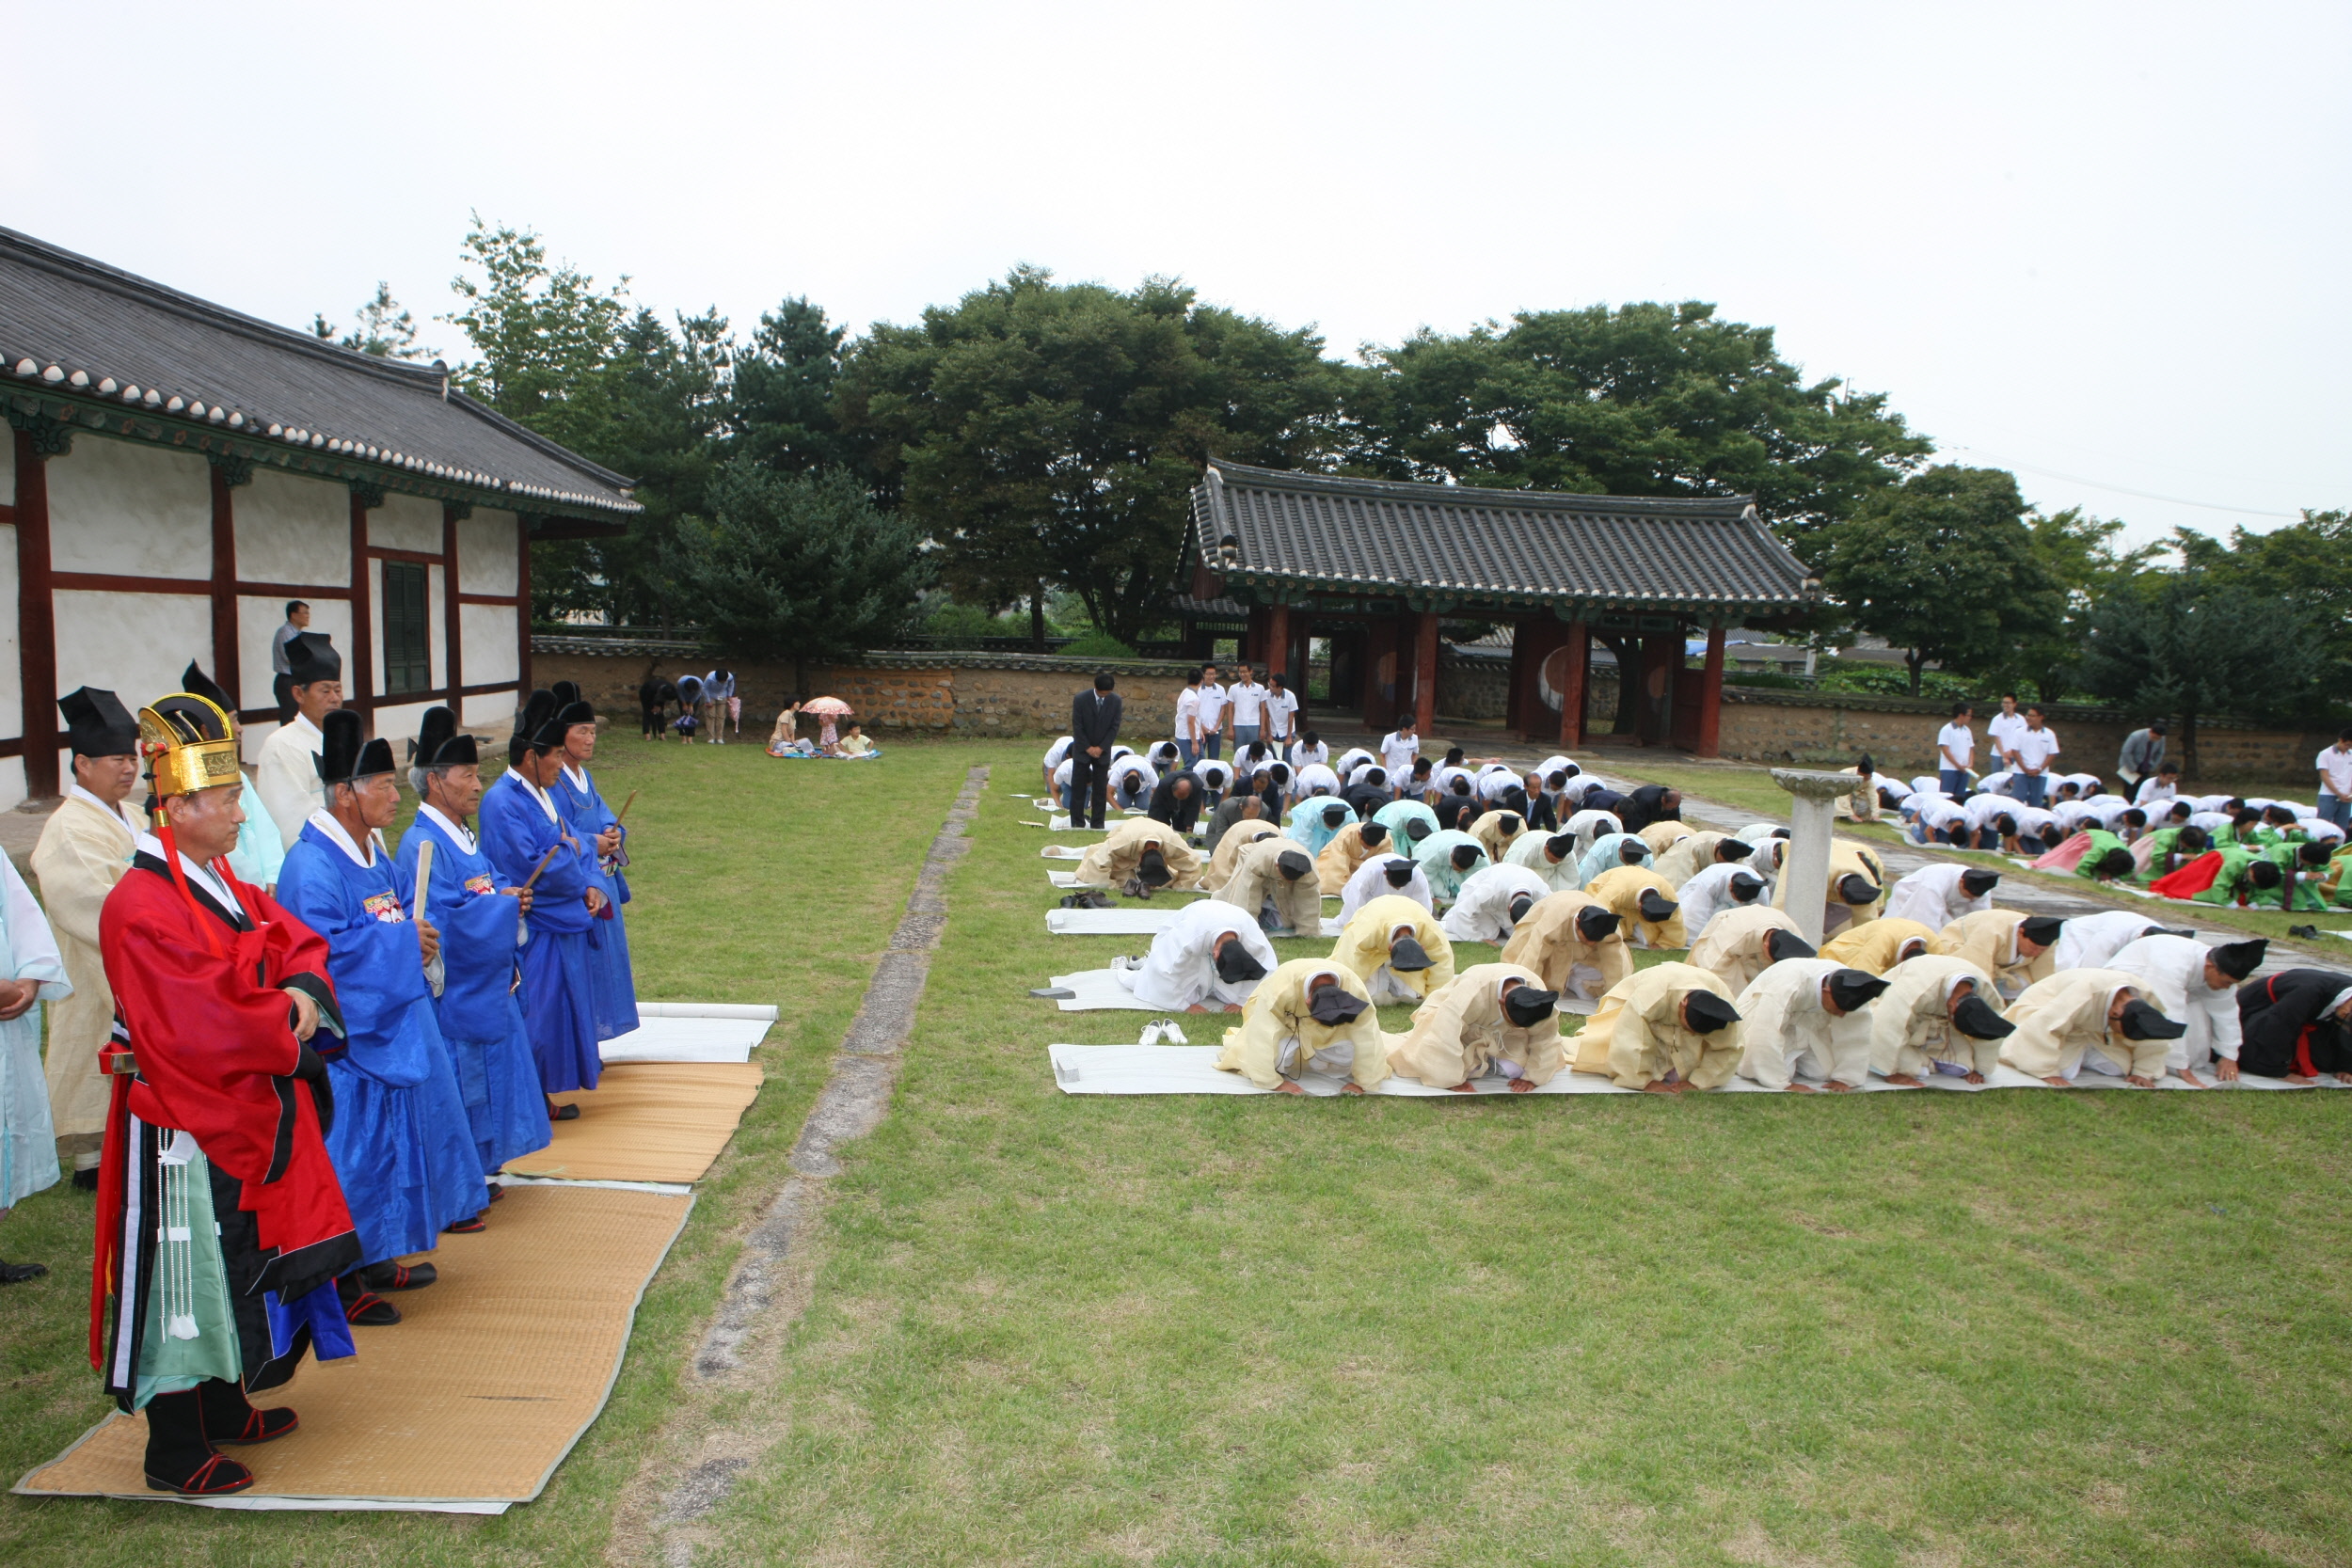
point(1932, 1329)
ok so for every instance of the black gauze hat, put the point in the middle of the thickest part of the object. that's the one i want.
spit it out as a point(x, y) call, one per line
point(1734, 850)
point(2040, 929)
point(97, 724)
point(1236, 963)
point(573, 712)
point(537, 709)
point(1561, 845)
point(1294, 864)
point(1464, 856)
point(1851, 989)
point(1526, 1006)
point(310, 657)
point(1744, 887)
point(1976, 1019)
point(1705, 1012)
point(1415, 830)
point(1151, 865)
point(2237, 959)
point(1335, 816)
point(1398, 872)
point(1633, 851)
point(1520, 903)
point(1332, 1006)
point(1372, 833)
point(1781, 945)
point(1656, 907)
point(1406, 956)
point(347, 755)
point(1509, 823)
point(2144, 1022)
point(2265, 874)
point(1594, 924)
point(439, 744)
point(195, 681)
point(2117, 863)
point(1856, 889)
point(566, 692)
point(1975, 884)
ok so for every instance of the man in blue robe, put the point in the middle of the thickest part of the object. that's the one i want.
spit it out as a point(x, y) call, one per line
point(401, 1143)
point(524, 834)
point(480, 1015)
point(594, 824)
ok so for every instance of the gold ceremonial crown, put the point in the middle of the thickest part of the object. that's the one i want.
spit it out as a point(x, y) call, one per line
point(180, 761)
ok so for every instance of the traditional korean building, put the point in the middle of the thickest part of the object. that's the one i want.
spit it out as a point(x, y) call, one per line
point(1375, 566)
point(178, 471)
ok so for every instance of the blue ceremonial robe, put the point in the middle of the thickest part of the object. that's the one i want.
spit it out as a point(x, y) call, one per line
point(480, 1014)
point(558, 989)
point(608, 962)
point(401, 1143)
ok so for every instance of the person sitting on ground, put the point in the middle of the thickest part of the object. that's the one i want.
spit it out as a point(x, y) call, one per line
point(1232, 845)
point(853, 744)
point(1309, 1015)
point(1935, 895)
point(1689, 855)
point(1274, 879)
point(1652, 916)
point(2009, 946)
point(1726, 885)
point(1574, 944)
point(1447, 859)
point(2294, 1025)
point(1494, 899)
point(1609, 851)
point(1209, 958)
point(1740, 944)
point(1938, 1015)
point(1381, 877)
point(1139, 849)
point(2196, 986)
point(1346, 850)
point(1550, 856)
point(1491, 1020)
point(1176, 800)
point(1230, 813)
point(1878, 946)
point(1497, 831)
point(1663, 1029)
point(1398, 948)
point(2088, 1013)
point(1807, 1018)
point(785, 739)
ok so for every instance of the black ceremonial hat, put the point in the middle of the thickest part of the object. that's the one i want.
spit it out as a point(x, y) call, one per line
point(1406, 956)
point(1294, 863)
point(195, 681)
point(1976, 1019)
point(1780, 945)
point(1978, 884)
point(311, 656)
point(1657, 907)
point(2144, 1022)
point(1854, 987)
point(1744, 887)
point(2041, 930)
point(1528, 1005)
point(1733, 849)
point(1397, 872)
point(1595, 924)
point(347, 755)
point(2237, 959)
point(1561, 845)
point(1706, 1012)
point(1854, 888)
point(1371, 832)
point(573, 712)
point(440, 745)
point(1522, 902)
point(1236, 963)
point(97, 724)
point(566, 692)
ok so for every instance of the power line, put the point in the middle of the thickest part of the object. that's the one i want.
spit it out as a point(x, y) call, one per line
point(2124, 489)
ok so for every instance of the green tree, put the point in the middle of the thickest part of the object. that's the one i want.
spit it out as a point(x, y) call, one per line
point(2079, 553)
point(2185, 646)
point(1044, 432)
point(803, 566)
point(384, 328)
point(782, 415)
point(2308, 564)
point(1943, 566)
point(541, 335)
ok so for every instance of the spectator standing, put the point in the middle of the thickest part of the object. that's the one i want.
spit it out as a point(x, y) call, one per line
point(2335, 782)
point(1955, 751)
point(1281, 706)
point(1213, 714)
point(2004, 729)
point(281, 671)
point(1093, 730)
point(2030, 755)
point(2142, 754)
point(1188, 718)
point(1249, 700)
point(1399, 749)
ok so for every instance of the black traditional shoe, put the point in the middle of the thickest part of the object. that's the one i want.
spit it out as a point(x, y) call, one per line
point(17, 1273)
point(362, 1305)
point(180, 1458)
point(2304, 933)
point(497, 1191)
point(472, 1226)
point(564, 1112)
point(230, 1417)
point(399, 1276)
point(87, 1180)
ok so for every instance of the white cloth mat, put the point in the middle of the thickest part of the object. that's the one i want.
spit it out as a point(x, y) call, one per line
point(1131, 920)
point(1099, 991)
point(1061, 852)
point(659, 1038)
point(764, 1011)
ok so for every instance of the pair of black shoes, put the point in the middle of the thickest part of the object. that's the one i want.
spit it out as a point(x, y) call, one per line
point(184, 1433)
point(359, 1292)
point(17, 1273)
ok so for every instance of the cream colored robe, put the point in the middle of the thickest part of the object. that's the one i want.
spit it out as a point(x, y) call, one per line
point(1875, 948)
point(1258, 879)
point(1363, 948)
point(2063, 1017)
point(1337, 861)
point(1462, 1032)
point(1531, 849)
point(1836, 914)
point(1732, 947)
point(1662, 836)
point(1911, 1023)
point(1547, 943)
point(1638, 1035)
point(1238, 838)
point(1487, 830)
point(1279, 1039)
point(1620, 888)
point(82, 852)
point(1988, 939)
point(1687, 856)
point(1114, 860)
point(1785, 1025)
point(287, 776)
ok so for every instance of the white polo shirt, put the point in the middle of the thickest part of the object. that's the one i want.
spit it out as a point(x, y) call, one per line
point(1187, 712)
point(2005, 728)
point(1280, 706)
point(1397, 752)
point(1212, 700)
point(2035, 748)
point(1304, 756)
point(1246, 701)
point(1961, 739)
point(2336, 767)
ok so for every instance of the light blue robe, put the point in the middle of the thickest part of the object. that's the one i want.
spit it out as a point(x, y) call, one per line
point(1607, 854)
point(260, 852)
point(28, 951)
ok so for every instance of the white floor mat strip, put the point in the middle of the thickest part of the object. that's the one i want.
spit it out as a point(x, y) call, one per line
point(1097, 990)
point(1130, 922)
point(659, 1038)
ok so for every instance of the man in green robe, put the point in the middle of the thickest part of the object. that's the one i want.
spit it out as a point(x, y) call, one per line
point(2107, 860)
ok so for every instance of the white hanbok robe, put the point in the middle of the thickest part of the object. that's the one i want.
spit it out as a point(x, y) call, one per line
point(1179, 971)
point(287, 776)
point(1707, 893)
point(28, 951)
point(1483, 913)
point(1932, 897)
point(1590, 828)
point(2173, 971)
point(1370, 881)
point(2089, 941)
point(1787, 1031)
point(1530, 851)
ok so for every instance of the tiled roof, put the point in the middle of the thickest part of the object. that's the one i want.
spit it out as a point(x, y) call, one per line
point(1454, 547)
point(88, 343)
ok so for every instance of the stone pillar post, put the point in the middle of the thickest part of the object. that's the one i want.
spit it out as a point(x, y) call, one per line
point(1812, 817)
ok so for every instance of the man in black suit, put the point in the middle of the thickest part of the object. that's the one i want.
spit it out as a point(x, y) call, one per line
point(1093, 730)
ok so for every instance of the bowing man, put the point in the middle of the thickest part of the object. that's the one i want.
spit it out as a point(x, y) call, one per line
point(1381, 877)
point(476, 1002)
point(1938, 1015)
point(1550, 856)
point(1275, 881)
point(1397, 948)
point(1808, 1017)
point(592, 823)
point(1572, 943)
point(400, 1140)
point(218, 1114)
point(1491, 1019)
point(1311, 1014)
point(2294, 1023)
point(524, 834)
point(1345, 853)
point(2083, 1013)
point(1740, 944)
point(1209, 958)
point(1663, 1029)
point(1494, 900)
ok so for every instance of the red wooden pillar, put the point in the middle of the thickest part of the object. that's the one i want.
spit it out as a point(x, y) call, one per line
point(226, 673)
point(1711, 694)
point(1275, 647)
point(1571, 683)
point(1426, 673)
point(36, 621)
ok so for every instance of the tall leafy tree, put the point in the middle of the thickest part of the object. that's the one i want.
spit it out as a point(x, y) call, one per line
point(1944, 567)
point(2085, 564)
point(382, 326)
point(1046, 432)
point(784, 415)
point(542, 333)
point(2180, 644)
point(2307, 565)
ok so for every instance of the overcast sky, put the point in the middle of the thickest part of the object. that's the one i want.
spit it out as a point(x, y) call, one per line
point(2101, 245)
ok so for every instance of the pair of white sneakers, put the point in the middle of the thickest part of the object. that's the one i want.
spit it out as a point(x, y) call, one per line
point(1163, 1031)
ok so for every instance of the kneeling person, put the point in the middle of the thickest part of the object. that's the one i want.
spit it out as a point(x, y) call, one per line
point(1937, 1015)
point(1309, 1015)
point(1807, 1016)
point(1141, 847)
point(1274, 881)
point(1209, 958)
point(1494, 900)
point(1397, 948)
point(2079, 1012)
point(1575, 947)
point(1664, 1029)
point(1491, 1019)
point(1645, 904)
point(1740, 944)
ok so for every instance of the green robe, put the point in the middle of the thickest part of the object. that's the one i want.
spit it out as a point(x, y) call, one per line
point(2101, 842)
point(2167, 840)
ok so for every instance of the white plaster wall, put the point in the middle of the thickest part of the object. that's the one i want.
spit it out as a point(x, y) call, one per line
point(291, 529)
point(375, 620)
point(258, 620)
point(491, 713)
point(11, 691)
point(485, 553)
point(489, 633)
point(12, 780)
point(130, 508)
point(8, 467)
point(133, 644)
point(437, 623)
point(399, 726)
point(406, 523)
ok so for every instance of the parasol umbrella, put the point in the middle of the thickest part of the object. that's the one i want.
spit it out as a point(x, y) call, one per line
point(833, 707)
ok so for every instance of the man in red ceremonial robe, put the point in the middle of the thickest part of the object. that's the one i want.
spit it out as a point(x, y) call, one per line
point(221, 1227)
